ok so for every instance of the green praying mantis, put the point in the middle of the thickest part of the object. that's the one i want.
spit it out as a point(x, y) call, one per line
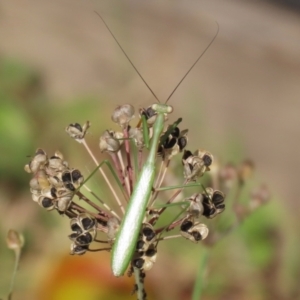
point(126, 239)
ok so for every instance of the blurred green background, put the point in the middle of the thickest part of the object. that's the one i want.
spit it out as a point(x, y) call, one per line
point(59, 65)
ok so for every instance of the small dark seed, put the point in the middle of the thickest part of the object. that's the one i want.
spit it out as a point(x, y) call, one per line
point(150, 252)
point(76, 175)
point(80, 249)
point(87, 223)
point(220, 206)
point(217, 198)
point(73, 235)
point(47, 202)
point(70, 186)
point(53, 192)
point(78, 126)
point(84, 239)
point(76, 227)
point(175, 132)
point(140, 245)
point(182, 142)
point(171, 143)
point(186, 154)
point(197, 236)
point(138, 263)
point(148, 233)
point(66, 177)
point(186, 225)
point(207, 160)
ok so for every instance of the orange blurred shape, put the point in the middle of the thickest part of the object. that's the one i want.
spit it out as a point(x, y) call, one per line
point(85, 277)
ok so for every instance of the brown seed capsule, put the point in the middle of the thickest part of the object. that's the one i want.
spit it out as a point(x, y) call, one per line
point(77, 249)
point(196, 207)
point(110, 141)
point(39, 181)
point(137, 135)
point(14, 240)
point(38, 162)
point(123, 114)
point(194, 232)
point(146, 238)
point(113, 225)
point(64, 199)
point(78, 132)
point(197, 164)
point(85, 227)
point(212, 202)
point(145, 260)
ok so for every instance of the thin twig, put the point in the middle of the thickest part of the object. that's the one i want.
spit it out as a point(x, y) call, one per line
point(104, 176)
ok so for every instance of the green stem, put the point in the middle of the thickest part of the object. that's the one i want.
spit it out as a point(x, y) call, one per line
point(199, 284)
point(17, 260)
point(139, 281)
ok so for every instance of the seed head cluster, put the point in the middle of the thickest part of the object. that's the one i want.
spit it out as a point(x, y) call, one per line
point(54, 186)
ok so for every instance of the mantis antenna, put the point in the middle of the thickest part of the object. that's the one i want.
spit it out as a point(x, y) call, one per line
point(132, 64)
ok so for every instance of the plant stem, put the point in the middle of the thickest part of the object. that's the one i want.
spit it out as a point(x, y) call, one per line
point(198, 287)
point(139, 281)
point(17, 260)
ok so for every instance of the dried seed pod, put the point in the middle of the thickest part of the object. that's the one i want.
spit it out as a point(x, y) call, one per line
point(35, 195)
point(123, 114)
point(194, 232)
point(46, 202)
point(206, 157)
point(38, 162)
point(64, 199)
point(137, 134)
point(145, 260)
point(57, 164)
point(146, 238)
point(77, 249)
point(110, 141)
point(87, 222)
point(39, 181)
point(150, 115)
point(14, 240)
point(72, 179)
point(196, 207)
point(173, 144)
point(78, 132)
point(113, 225)
point(195, 165)
point(76, 226)
point(148, 233)
point(212, 203)
point(82, 239)
point(84, 223)
point(182, 139)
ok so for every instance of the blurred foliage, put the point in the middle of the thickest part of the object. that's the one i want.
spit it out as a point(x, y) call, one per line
point(256, 261)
